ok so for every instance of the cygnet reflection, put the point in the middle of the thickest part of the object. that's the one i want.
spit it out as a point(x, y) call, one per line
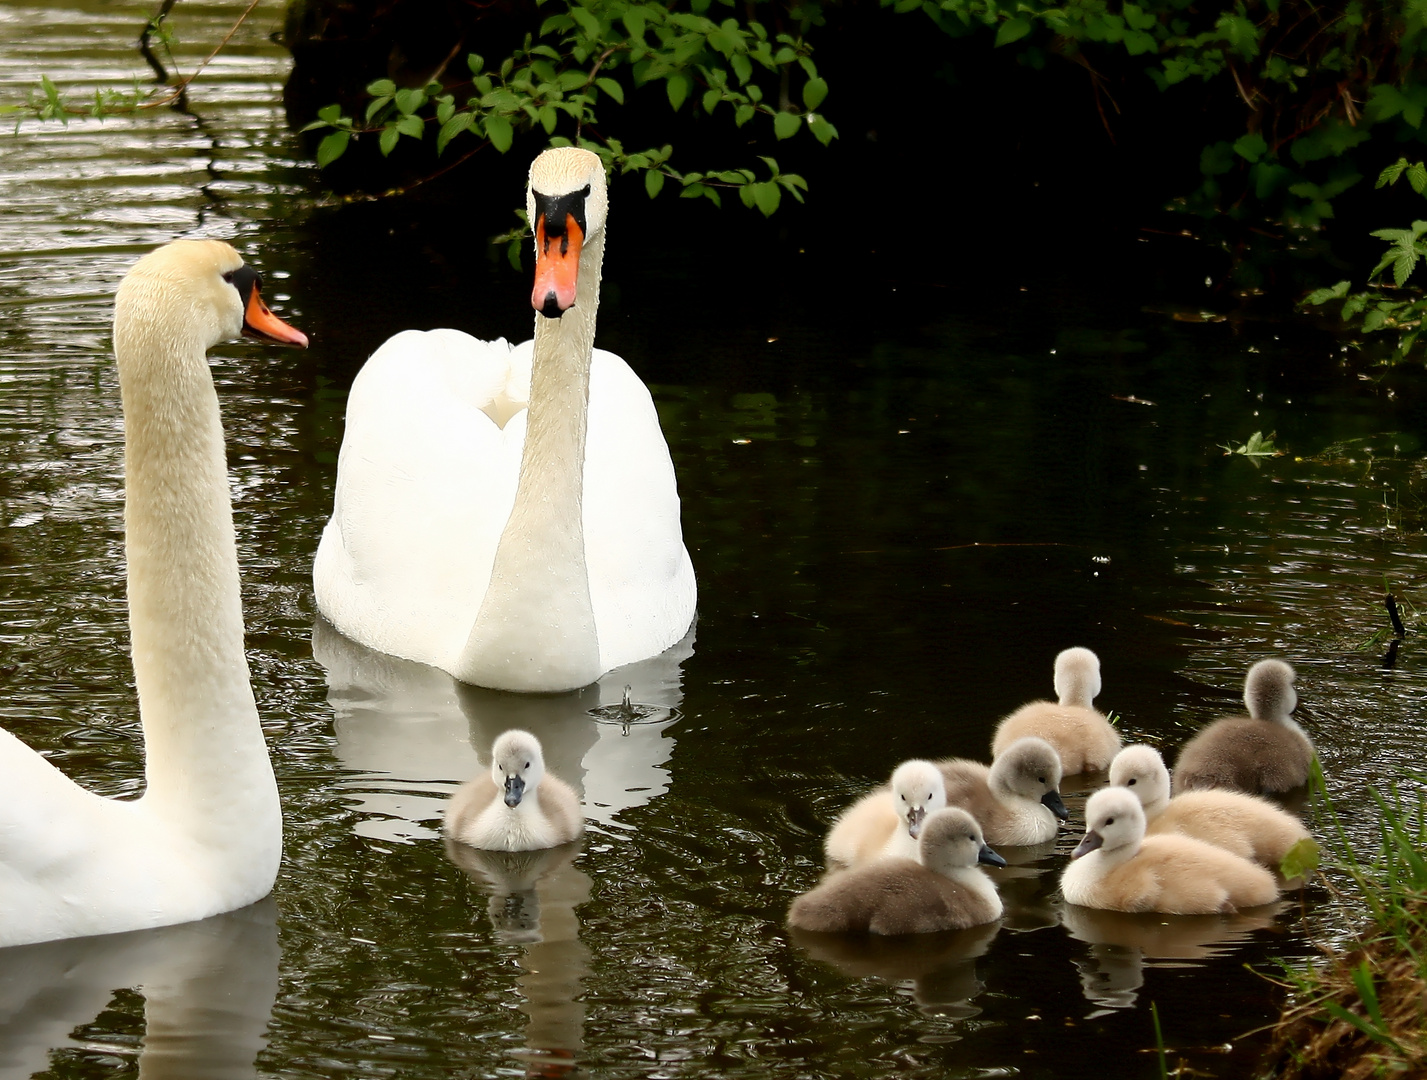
point(939, 969)
point(410, 733)
point(208, 992)
point(1122, 945)
point(532, 900)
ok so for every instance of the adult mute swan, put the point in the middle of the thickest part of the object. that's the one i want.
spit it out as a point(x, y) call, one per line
point(510, 515)
point(206, 836)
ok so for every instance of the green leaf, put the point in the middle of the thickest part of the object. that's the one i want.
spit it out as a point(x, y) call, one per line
point(1216, 159)
point(633, 20)
point(457, 125)
point(1302, 857)
point(376, 106)
point(743, 114)
point(381, 88)
point(814, 93)
point(711, 100)
point(332, 147)
point(408, 101)
point(499, 131)
point(677, 87)
point(767, 196)
point(786, 124)
point(588, 23)
point(612, 88)
point(1012, 30)
point(742, 67)
point(411, 126)
point(653, 182)
point(475, 63)
point(330, 114)
point(1322, 296)
point(1251, 147)
point(549, 118)
point(823, 131)
point(387, 140)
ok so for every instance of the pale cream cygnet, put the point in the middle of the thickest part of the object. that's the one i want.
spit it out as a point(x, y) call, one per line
point(517, 806)
point(1081, 735)
point(1250, 827)
point(888, 820)
point(206, 836)
point(945, 891)
point(1118, 868)
point(1017, 799)
point(1265, 752)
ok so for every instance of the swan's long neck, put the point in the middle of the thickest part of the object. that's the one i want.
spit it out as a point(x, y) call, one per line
point(536, 626)
point(206, 763)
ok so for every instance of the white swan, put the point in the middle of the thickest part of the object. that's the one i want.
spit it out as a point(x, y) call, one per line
point(206, 836)
point(510, 515)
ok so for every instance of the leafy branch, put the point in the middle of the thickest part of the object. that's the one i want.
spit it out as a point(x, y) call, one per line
point(603, 51)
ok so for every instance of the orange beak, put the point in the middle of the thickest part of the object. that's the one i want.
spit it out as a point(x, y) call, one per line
point(261, 323)
point(557, 268)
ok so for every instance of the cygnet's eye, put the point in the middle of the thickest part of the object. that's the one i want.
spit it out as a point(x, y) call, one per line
point(527, 764)
point(1109, 821)
point(1130, 782)
point(1041, 779)
point(904, 798)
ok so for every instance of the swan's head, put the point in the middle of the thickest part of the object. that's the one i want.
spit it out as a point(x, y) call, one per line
point(517, 764)
point(1030, 768)
point(1114, 819)
point(918, 790)
point(1268, 690)
point(952, 840)
point(1077, 677)
point(202, 287)
point(1140, 769)
point(566, 202)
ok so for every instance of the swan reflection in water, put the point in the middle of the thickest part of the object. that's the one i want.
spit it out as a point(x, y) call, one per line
point(1123, 945)
point(208, 991)
point(532, 900)
point(940, 968)
point(409, 734)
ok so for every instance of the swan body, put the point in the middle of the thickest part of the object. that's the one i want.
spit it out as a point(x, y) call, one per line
point(510, 515)
point(887, 822)
point(1250, 827)
point(944, 891)
point(1017, 800)
point(1264, 753)
point(1084, 739)
point(1118, 868)
point(206, 836)
point(517, 806)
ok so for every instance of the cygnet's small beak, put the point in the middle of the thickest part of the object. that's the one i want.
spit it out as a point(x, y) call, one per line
point(1091, 842)
point(514, 790)
point(1057, 807)
point(989, 857)
point(915, 816)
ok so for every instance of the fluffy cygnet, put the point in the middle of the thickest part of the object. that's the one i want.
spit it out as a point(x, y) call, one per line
point(1016, 800)
point(1118, 868)
point(887, 821)
point(1080, 734)
point(1250, 827)
point(945, 891)
point(1262, 753)
point(516, 806)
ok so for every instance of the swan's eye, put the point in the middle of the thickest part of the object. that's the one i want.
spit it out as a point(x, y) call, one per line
point(228, 277)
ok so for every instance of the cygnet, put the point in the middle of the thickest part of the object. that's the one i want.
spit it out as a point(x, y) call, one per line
point(945, 891)
point(1084, 739)
point(516, 806)
point(1251, 827)
point(887, 821)
point(1263, 753)
point(1017, 800)
point(1118, 868)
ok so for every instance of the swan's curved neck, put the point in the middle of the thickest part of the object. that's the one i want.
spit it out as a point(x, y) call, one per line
point(536, 626)
point(206, 762)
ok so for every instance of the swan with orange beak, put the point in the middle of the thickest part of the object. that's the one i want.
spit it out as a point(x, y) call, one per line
point(510, 515)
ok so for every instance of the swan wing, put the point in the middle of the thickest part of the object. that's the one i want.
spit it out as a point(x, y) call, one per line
point(641, 580)
point(425, 482)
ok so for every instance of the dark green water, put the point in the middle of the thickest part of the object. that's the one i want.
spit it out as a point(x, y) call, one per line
point(902, 499)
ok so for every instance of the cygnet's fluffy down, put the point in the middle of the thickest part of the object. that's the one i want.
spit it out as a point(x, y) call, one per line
point(517, 806)
point(887, 821)
point(1118, 868)
point(1250, 827)
point(1262, 753)
point(1084, 739)
point(1017, 800)
point(945, 891)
